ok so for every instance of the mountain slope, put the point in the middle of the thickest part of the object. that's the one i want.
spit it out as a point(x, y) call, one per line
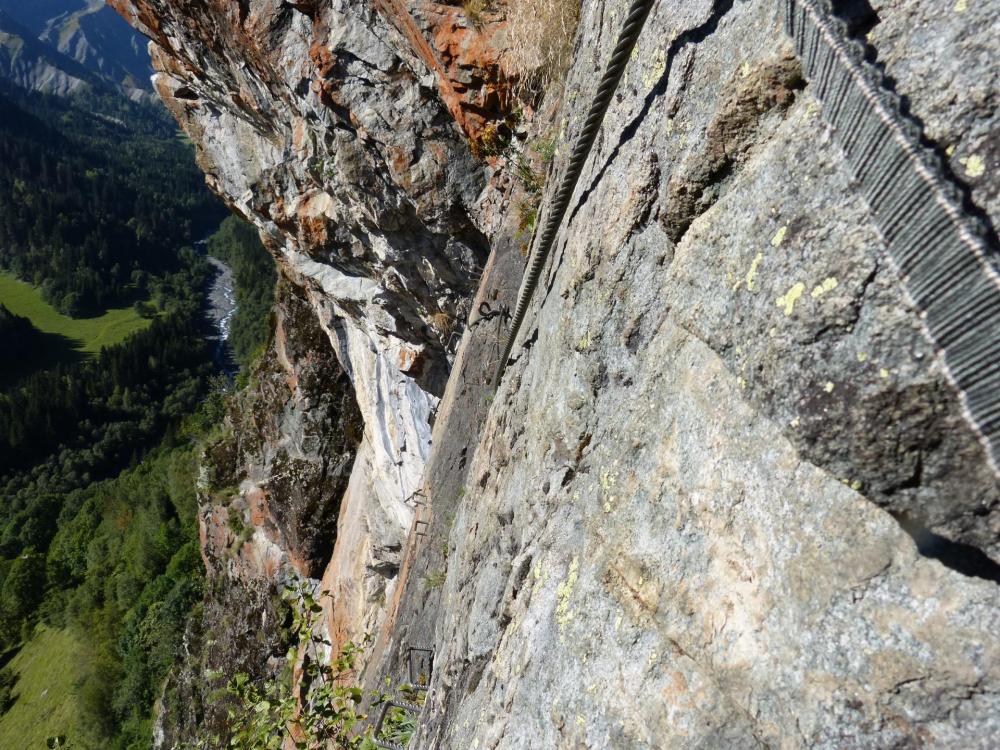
point(86, 32)
point(38, 66)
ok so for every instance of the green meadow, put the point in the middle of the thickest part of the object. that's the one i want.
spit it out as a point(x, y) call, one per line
point(86, 335)
point(49, 668)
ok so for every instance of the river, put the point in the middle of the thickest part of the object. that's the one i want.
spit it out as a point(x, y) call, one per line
point(221, 309)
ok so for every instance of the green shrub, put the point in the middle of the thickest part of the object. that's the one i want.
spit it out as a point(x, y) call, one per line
point(265, 715)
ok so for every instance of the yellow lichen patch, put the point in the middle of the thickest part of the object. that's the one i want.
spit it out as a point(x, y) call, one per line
point(745, 70)
point(828, 387)
point(862, 357)
point(828, 284)
point(856, 485)
point(563, 592)
point(950, 151)
point(961, 6)
point(779, 236)
point(974, 165)
point(788, 299)
point(652, 75)
point(608, 479)
point(883, 372)
point(537, 584)
point(751, 277)
point(584, 343)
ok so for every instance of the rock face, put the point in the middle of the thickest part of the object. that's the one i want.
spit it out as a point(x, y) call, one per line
point(676, 537)
point(724, 496)
point(321, 123)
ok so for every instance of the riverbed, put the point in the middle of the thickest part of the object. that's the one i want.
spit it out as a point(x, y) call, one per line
point(221, 300)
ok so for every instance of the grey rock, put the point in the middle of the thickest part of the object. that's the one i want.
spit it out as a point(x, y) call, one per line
point(724, 496)
point(674, 534)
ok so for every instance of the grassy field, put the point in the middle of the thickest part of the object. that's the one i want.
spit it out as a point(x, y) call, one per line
point(48, 669)
point(87, 335)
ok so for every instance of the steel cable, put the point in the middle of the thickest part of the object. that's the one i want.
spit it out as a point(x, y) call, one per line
point(634, 22)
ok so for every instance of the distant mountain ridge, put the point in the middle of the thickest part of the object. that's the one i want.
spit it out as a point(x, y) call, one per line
point(35, 65)
point(63, 46)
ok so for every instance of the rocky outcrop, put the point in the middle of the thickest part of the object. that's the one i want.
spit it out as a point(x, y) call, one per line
point(322, 123)
point(675, 534)
point(271, 490)
point(724, 496)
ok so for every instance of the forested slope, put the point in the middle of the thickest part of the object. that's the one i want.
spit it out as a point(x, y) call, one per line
point(96, 197)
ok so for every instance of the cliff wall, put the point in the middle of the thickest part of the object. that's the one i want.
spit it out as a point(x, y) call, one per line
point(724, 495)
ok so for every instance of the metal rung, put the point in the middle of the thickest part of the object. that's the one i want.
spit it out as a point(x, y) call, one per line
point(415, 666)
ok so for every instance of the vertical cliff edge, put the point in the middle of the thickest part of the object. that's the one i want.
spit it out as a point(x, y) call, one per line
point(724, 495)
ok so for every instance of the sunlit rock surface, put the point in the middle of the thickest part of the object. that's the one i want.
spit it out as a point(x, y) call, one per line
point(683, 519)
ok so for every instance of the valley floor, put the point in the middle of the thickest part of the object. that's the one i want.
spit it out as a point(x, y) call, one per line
point(88, 335)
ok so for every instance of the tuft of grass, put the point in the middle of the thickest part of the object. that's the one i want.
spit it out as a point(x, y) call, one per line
point(529, 169)
point(443, 322)
point(533, 180)
point(493, 140)
point(474, 10)
point(541, 39)
point(527, 217)
point(546, 148)
point(49, 668)
point(434, 579)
